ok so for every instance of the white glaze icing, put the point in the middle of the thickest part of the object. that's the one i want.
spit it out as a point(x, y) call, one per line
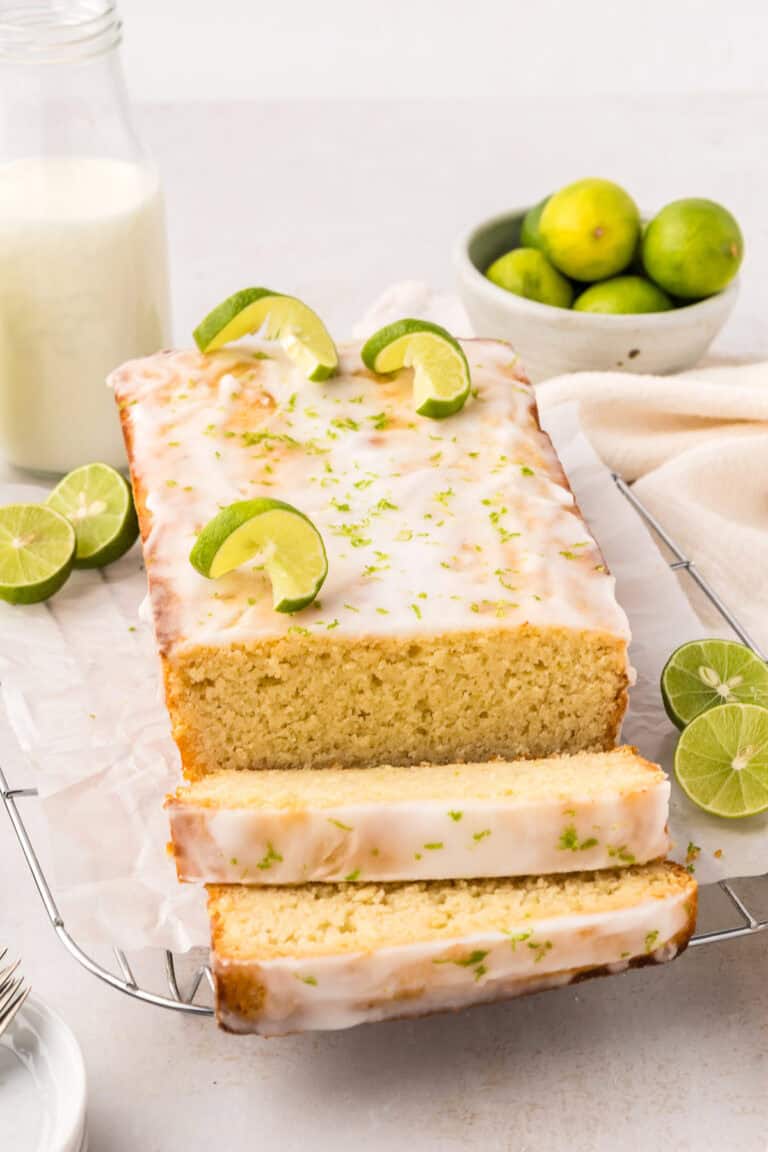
point(339, 991)
point(430, 526)
point(419, 839)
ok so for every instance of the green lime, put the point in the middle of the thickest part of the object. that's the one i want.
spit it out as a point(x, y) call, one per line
point(37, 549)
point(589, 229)
point(705, 673)
point(97, 502)
point(281, 541)
point(623, 295)
point(530, 237)
point(286, 319)
point(527, 272)
point(441, 380)
point(693, 248)
point(721, 761)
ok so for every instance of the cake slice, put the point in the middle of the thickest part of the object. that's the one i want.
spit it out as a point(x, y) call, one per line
point(467, 612)
point(587, 811)
point(323, 957)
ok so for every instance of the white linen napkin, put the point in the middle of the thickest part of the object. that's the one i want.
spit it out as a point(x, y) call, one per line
point(694, 444)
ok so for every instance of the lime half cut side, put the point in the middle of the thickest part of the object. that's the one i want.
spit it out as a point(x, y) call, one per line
point(270, 536)
point(296, 327)
point(721, 761)
point(98, 503)
point(706, 673)
point(441, 379)
point(37, 550)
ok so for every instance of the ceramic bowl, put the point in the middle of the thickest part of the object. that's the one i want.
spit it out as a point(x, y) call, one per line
point(42, 1084)
point(551, 341)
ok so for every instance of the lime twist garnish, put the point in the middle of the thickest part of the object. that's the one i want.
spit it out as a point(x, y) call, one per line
point(273, 536)
point(37, 550)
point(98, 503)
point(441, 379)
point(706, 673)
point(283, 318)
point(721, 761)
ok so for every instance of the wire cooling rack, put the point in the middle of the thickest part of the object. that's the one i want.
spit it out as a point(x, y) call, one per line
point(734, 908)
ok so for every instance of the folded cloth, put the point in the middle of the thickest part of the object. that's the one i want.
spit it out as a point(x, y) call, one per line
point(695, 445)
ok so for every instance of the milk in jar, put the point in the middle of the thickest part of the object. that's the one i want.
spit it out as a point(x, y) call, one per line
point(83, 268)
point(83, 286)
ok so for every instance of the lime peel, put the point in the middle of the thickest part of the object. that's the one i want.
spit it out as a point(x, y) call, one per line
point(441, 376)
point(278, 537)
point(286, 319)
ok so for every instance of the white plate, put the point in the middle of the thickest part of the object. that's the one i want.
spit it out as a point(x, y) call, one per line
point(42, 1084)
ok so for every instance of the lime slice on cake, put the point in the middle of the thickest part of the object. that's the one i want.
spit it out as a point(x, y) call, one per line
point(98, 503)
point(441, 381)
point(283, 318)
point(705, 673)
point(272, 536)
point(37, 549)
point(721, 761)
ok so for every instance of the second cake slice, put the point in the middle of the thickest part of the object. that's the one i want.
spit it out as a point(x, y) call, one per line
point(501, 818)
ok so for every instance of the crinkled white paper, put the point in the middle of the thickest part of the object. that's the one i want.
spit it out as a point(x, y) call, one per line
point(84, 722)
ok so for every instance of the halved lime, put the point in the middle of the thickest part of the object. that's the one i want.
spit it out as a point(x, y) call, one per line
point(98, 503)
point(705, 673)
point(721, 761)
point(441, 380)
point(284, 318)
point(37, 548)
point(276, 538)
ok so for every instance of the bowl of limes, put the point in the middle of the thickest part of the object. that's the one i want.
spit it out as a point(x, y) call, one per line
point(582, 281)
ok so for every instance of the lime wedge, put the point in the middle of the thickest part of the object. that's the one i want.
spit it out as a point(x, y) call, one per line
point(273, 536)
point(284, 318)
point(37, 548)
point(441, 380)
point(98, 503)
point(705, 673)
point(721, 761)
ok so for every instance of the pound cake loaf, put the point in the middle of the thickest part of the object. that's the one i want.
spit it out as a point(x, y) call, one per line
point(467, 611)
point(323, 957)
point(570, 814)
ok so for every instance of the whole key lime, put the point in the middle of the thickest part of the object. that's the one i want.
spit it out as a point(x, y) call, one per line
point(589, 230)
point(530, 237)
point(693, 248)
point(527, 272)
point(623, 295)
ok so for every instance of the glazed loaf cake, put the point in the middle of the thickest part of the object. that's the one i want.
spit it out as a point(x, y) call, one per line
point(587, 811)
point(324, 957)
point(467, 612)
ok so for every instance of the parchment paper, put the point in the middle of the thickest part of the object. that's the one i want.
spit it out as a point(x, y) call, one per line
point(82, 720)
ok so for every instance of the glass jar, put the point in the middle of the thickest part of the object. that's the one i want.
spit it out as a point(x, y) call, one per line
point(83, 268)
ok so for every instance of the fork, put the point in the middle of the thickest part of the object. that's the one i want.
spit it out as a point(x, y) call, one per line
point(13, 992)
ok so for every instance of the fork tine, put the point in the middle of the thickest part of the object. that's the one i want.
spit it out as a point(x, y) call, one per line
point(6, 973)
point(9, 994)
point(10, 1011)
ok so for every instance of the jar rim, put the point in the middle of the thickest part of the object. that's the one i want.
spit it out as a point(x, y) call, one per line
point(57, 31)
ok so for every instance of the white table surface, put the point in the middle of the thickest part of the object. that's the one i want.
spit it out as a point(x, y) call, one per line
point(334, 202)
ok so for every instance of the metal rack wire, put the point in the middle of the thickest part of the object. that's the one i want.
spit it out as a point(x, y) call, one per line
point(742, 905)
